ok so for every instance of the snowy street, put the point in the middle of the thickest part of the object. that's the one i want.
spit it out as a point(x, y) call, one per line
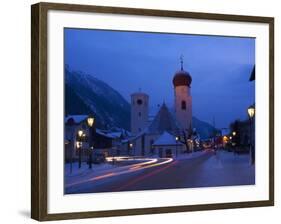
point(201, 169)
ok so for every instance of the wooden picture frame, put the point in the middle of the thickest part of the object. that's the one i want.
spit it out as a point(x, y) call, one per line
point(39, 109)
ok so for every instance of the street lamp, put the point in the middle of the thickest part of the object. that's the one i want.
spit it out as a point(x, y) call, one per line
point(90, 123)
point(234, 141)
point(177, 139)
point(251, 113)
point(67, 143)
point(79, 145)
point(131, 145)
point(80, 133)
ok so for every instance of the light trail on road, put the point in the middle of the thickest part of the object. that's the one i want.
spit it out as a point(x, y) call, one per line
point(138, 179)
point(126, 170)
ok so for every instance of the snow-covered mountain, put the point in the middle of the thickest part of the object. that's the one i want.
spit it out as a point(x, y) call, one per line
point(85, 94)
point(204, 129)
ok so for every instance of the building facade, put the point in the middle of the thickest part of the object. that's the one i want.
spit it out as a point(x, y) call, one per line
point(139, 112)
point(105, 142)
point(183, 99)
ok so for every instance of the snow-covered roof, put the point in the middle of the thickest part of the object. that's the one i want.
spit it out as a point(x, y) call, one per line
point(98, 131)
point(109, 134)
point(114, 134)
point(166, 139)
point(76, 118)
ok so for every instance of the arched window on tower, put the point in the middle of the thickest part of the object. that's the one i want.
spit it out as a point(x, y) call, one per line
point(183, 105)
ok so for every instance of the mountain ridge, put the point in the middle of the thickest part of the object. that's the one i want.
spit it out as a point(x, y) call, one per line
point(109, 107)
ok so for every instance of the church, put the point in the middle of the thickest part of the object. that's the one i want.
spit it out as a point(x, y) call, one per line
point(167, 135)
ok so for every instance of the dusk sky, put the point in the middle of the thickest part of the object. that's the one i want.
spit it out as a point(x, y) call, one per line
point(128, 61)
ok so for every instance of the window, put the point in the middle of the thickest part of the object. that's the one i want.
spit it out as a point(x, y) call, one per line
point(139, 102)
point(139, 114)
point(183, 105)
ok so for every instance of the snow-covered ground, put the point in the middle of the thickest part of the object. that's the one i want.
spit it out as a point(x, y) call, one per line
point(103, 170)
point(190, 155)
point(85, 168)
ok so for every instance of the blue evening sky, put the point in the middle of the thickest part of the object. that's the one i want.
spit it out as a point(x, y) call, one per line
point(220, 68)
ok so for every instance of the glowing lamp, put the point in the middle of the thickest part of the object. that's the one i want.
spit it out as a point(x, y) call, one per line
point(80, 133)
point(78, 145)
point(90, 121)
point(251, 111)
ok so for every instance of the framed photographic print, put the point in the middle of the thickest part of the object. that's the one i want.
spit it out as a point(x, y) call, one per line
point(139, 111)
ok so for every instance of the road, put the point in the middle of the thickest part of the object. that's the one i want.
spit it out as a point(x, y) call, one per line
point(206, 170)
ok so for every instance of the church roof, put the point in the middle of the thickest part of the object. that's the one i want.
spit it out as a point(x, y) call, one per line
point(163, 121)
point(166, 139)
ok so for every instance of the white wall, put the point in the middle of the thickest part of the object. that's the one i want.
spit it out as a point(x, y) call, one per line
point(15, 111)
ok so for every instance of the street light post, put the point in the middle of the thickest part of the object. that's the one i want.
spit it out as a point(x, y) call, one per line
point(234, 141)
point(79, 146)
point(131, 148)
point(251, 113)
point(90, 123)
point(177, 139)
point(67, 143)
point(113, 158)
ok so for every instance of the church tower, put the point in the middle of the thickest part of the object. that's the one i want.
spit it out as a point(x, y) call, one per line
point(183, 99)
point(139, 112)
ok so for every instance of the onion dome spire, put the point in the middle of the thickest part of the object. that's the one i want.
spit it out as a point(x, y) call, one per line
point(182, 77)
